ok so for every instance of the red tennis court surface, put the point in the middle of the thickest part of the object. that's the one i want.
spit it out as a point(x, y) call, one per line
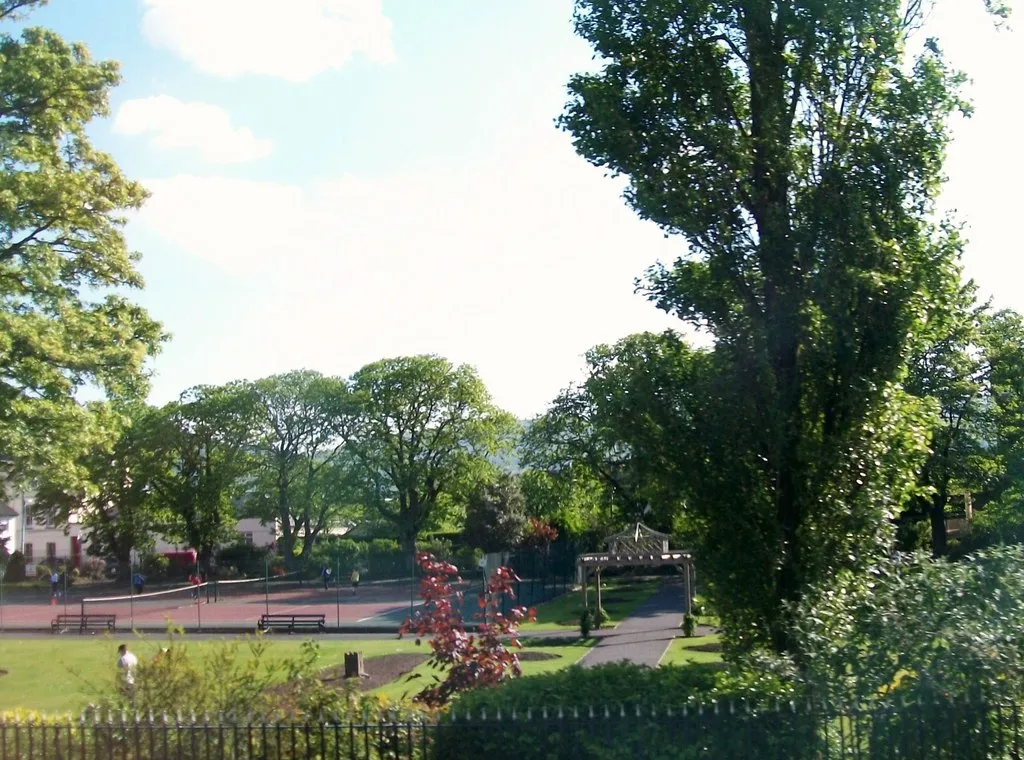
point(386, 605)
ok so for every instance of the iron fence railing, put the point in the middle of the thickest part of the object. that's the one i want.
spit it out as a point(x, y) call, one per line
point(948, 729)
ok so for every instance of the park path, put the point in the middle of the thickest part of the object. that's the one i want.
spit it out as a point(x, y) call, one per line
point(643, 637)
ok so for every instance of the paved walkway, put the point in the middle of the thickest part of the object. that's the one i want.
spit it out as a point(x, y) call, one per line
point(644, 636)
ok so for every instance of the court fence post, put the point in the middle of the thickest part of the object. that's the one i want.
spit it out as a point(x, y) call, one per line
point(337, 587)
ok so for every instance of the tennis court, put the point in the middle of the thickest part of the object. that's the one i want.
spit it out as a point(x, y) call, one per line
point(229, 604)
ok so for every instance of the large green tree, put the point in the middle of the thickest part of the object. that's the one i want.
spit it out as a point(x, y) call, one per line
point(796, 146)
point(65, 321)
point(116, 505)
point(422, 430)
point(300, 426)
point(203, 440)
point(627, 425)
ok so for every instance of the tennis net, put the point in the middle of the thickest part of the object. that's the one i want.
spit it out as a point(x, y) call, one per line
point(258, 586)
point(167, 600)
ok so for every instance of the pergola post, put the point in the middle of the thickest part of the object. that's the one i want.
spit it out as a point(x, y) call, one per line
point(598, 576)
point(586, 581)
point(686, 587)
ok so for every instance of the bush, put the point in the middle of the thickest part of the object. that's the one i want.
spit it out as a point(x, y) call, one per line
point(15, 568)
point(621, 687)
point(156, 567)
point(918, 628)
point(586, 623)
point(42, 572)
point(468, 561)
point(439, 547)
point(688, 625)
point(94, 568)
point(248, 560)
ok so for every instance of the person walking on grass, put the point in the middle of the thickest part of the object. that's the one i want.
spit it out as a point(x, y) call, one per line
point(355, 580)
point(126, 663)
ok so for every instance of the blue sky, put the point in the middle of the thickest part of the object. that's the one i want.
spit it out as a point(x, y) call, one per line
point(336, 181)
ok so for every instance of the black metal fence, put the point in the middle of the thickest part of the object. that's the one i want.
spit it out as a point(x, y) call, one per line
point(953, 729)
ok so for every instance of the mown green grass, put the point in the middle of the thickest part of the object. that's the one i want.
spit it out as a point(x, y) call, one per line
point(63, 674)
point(566, 654)
point(681, 650)
point(619, 597)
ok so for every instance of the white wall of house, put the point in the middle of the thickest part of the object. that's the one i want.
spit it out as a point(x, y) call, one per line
point(38, 540)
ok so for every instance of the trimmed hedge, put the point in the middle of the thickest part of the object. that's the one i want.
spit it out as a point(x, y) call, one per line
point(618, 712)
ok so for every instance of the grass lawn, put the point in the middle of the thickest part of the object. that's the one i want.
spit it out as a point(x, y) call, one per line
point(61, 675)
point(565, 655)
point(619, 597)
point(681, 650)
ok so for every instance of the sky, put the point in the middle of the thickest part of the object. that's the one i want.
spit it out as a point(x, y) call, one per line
point(338, 181)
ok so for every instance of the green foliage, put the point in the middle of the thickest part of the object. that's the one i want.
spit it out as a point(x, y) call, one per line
point(798, 150)
point(687, 626)
point(65, 321)
point(586, 623)
point(496, 514)
point(15, 567)
point(248, 560)
point(244, 689)
point(422, 431)
point(918, 627)
point(608, 429)
point(117, 507)
point(302, 476)
point(572, 499)
point(203, 439)
point(618, 683)
point(971, 366)
point(622, 687)
point(156, 567)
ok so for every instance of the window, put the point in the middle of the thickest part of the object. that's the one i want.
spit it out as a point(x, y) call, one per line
point(247, 537)
point(28, 552)
point(28, 518)
point(51, 550)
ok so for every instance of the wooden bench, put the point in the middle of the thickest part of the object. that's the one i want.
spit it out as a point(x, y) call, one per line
point(83, 623)
point(293, 623)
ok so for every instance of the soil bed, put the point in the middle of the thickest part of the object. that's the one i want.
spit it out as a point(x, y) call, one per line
point(381, 670)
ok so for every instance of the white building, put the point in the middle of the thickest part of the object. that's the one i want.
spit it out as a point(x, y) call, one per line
point(40, 539)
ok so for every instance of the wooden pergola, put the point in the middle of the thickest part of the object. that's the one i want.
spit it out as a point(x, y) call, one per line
point(638, 547)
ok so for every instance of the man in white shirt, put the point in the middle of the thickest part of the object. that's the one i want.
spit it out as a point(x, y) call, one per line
point(126, 662)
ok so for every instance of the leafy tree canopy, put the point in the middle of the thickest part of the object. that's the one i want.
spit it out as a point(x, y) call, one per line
point(422, 430)
point(65, 321)
point(797, 148)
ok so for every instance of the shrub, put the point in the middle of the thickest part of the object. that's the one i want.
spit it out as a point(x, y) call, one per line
point(469, 661)
point(94, 568)
point(155, 567)
point(15, 567)
point(42, 572)
point(439, 547)
point(586, 623)
point(248, 560)
point(687, 625)
point(619, 686)
point(467, 559)
point(917, 627)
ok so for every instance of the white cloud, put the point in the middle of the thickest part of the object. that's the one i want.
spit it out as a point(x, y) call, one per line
point(517, 265)
point(293, 41)
point(206, 127)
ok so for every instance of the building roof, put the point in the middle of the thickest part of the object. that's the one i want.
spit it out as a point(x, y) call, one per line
point(7, 511)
